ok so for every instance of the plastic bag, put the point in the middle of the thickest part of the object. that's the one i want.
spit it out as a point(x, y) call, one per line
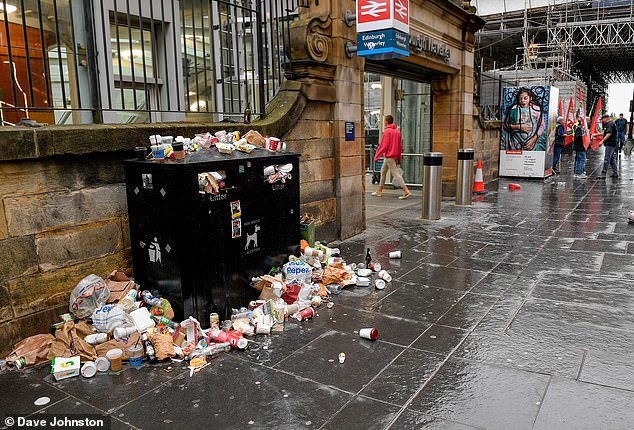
point(89, 294)
point(397, 183)
point(107, 318)
point(297, 270)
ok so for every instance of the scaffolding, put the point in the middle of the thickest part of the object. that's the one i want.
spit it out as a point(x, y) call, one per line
point(592, 41)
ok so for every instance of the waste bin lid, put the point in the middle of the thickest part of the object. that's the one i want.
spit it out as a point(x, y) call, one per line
point(432, 159)
point(466, 154)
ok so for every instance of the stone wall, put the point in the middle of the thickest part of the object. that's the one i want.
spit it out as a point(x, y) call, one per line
point(61, 219)
point(486, 142)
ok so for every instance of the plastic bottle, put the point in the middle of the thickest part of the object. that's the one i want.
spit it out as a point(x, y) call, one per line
point(149, 348)
point(148, 298)
point(216, 348)
point(165, 321)
point(368, 258)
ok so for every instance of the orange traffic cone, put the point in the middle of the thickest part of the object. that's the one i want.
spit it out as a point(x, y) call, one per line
point(478, 184)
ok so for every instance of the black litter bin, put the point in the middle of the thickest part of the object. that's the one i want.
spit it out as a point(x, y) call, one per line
point(202, 227)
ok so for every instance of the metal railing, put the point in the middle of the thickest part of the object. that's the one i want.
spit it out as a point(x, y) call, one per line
point(122, 61)
point(489, 94)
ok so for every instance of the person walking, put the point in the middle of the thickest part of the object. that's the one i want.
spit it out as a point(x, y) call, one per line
point(609, 141)
point(390, 147)
point(580, 150)
point(621, 131)
point(559, 143)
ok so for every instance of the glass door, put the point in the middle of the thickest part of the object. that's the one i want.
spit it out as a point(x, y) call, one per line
point(413, 117)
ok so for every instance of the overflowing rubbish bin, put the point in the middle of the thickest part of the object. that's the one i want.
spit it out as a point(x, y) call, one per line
point(203, 226)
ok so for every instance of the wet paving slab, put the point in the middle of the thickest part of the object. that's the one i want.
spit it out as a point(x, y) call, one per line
point(515, 313)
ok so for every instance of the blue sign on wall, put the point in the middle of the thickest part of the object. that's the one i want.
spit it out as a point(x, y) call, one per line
point(349, 131)
point(383, 44)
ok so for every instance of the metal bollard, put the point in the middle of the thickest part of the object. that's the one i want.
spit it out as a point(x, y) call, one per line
point(464, 177)
point(432, 185)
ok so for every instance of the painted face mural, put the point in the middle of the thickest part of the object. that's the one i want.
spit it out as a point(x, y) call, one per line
point(525, 115)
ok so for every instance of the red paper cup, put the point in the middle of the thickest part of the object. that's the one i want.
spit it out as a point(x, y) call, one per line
point(305, 314)
point(369, 333)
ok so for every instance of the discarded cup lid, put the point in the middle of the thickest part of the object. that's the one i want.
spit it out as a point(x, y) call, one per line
point(42, 401)
point(89, 369)
point(379, 284)
point(102, 364)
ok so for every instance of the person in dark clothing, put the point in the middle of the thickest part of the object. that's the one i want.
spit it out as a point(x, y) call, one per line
point(559, 143)
point(621, 131)
point(580, 151)
point(609, 141)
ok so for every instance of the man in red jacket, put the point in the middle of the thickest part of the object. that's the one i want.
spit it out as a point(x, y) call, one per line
point(391, 148)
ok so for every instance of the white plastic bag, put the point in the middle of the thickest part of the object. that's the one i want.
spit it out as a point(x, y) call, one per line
point(106, 318)
point(89, 294)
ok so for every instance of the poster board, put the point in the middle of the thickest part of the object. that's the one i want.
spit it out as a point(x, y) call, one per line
point(529, 117)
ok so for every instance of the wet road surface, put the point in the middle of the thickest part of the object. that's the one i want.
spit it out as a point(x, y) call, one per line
point(516, 313)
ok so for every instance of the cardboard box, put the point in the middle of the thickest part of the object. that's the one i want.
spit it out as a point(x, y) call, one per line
point(62, 367)
point(307, 232)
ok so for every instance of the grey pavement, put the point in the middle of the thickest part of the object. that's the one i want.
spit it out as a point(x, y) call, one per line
point(515, 313)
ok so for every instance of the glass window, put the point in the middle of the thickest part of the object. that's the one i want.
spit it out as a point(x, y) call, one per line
point(132, 55)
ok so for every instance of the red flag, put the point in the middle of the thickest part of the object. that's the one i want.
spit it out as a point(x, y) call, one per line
point(583, 123)
point(570, 121)
point(595, 122)
point(560, 108)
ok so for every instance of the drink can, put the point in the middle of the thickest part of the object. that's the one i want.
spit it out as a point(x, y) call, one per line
point(214, 320)
point(20, 363)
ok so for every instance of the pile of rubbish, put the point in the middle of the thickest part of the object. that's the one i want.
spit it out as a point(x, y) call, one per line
point(166, 147)
point(114, 320)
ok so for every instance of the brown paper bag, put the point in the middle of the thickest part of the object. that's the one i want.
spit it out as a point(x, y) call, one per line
point(163, 345)
point(34, 349)
point(119, 284)
point(69, 343)
point(335, 273)
point(255, 138)
point(123, 344)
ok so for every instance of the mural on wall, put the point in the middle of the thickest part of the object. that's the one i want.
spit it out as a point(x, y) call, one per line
point(525, 118)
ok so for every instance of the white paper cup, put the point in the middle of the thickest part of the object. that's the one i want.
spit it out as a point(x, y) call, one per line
point(376, 267)
point(269, 170)
point(379, 284)
point(312, 252)
point(120, 332)
point(273, 144)
point(395, 254)
point(316, 301)
point(262, 328)
point(369, 333)
point(114, 356)
point(364, 272)
point(89, 369)
point(385, 276)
